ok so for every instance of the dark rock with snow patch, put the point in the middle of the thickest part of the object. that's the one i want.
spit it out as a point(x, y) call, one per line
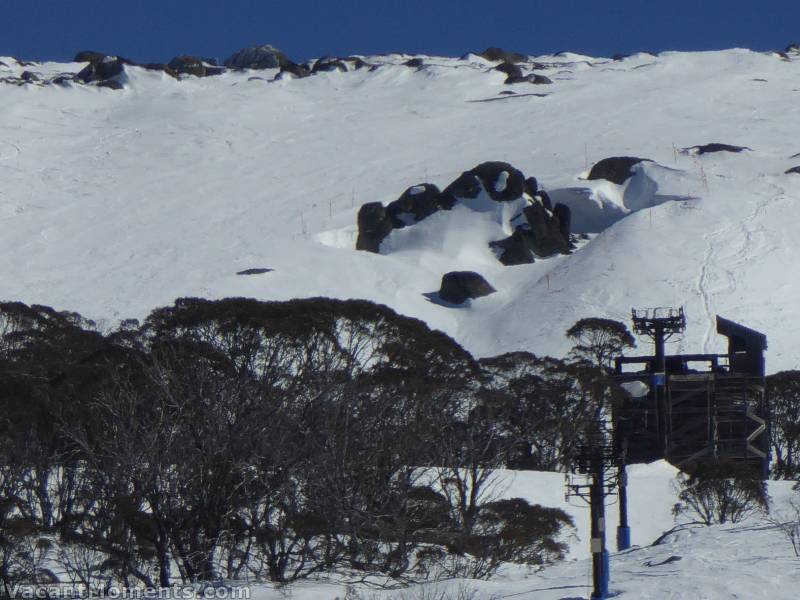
point(295, 70)
point(537, 79)
point(502, 181)
point(498, 54)
point(257, 57)
point(563, 213)
point(548, 237)
point(373, 227)
point(106, 68)
point(531, 186)
point(255, 271)
point(29, 76)
point(467, 185)
point(63, 79)
point(516, 249)
point(111, 84)
point(328, 64)
point(414, 63)
point(89, 56)
point(459, 286)
point(513, 71)
point(193, 65)
point(415, 204)
point(793, 170)
point(714, 147)
point(616, 169)
point(544, 198)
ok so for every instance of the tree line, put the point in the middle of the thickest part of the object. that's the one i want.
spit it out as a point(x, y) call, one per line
point(241, 439)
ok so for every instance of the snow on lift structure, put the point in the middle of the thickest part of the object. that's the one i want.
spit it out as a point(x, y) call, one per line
point(693, 408)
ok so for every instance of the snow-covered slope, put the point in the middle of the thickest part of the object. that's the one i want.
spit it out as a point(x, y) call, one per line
point(115, 202)
point(750, 560)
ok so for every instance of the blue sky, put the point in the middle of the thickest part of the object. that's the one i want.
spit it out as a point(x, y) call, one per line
point(156, 30)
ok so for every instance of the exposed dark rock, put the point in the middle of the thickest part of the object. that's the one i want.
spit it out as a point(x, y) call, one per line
point(328, 64)
point(414, 62)
point(513, 71)
point(619, 57)
point(539, 230)
point(373, 227)
point(28, 76)
point(498, 54)
point(467, 185)
point(792, 49)
point(159, 67)
point(793, 170)
point(100, 70)
point(459, 286)
point(257, 57)
point(506, 93)
point(499, 186)
point(714, 147)
point(63, 79)
point(298, 71)
point(517, 249)
point(616, 169)
point(358, 63)
point(544, 198)
point(543, 234)
point(255, 271)
point(89, 56)
point(537, 79)
point(563, 213)
point(192, 65)
point(532, 78)
point(111, 84)
point(531, 186)
point(548, 235)
point(2, 64)
point(416, 203)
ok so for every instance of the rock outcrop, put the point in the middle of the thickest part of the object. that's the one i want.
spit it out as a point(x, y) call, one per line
point(538, 229)
point(459, 286)
point(101, 68)
point(714, 147)
point(498, 54)
point(616, 169)
point(193, 65)
point(264, 56)
point(373, 227)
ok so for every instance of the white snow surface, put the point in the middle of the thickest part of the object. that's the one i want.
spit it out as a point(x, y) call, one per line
point(116, 202)
point(751, 560)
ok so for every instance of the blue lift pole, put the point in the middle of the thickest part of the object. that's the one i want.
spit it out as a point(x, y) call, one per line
point(597, 500)
point(623, 530)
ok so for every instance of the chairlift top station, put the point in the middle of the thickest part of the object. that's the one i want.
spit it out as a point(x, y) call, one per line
point(692, 408)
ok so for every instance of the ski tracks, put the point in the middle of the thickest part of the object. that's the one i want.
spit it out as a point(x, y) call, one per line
point(747, 253)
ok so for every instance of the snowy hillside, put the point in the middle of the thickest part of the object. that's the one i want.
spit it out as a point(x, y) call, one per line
point(748, 560)
point(114, 202)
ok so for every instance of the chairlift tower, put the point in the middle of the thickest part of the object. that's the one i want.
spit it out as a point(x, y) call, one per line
point(593, 479)
point(690, 409)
